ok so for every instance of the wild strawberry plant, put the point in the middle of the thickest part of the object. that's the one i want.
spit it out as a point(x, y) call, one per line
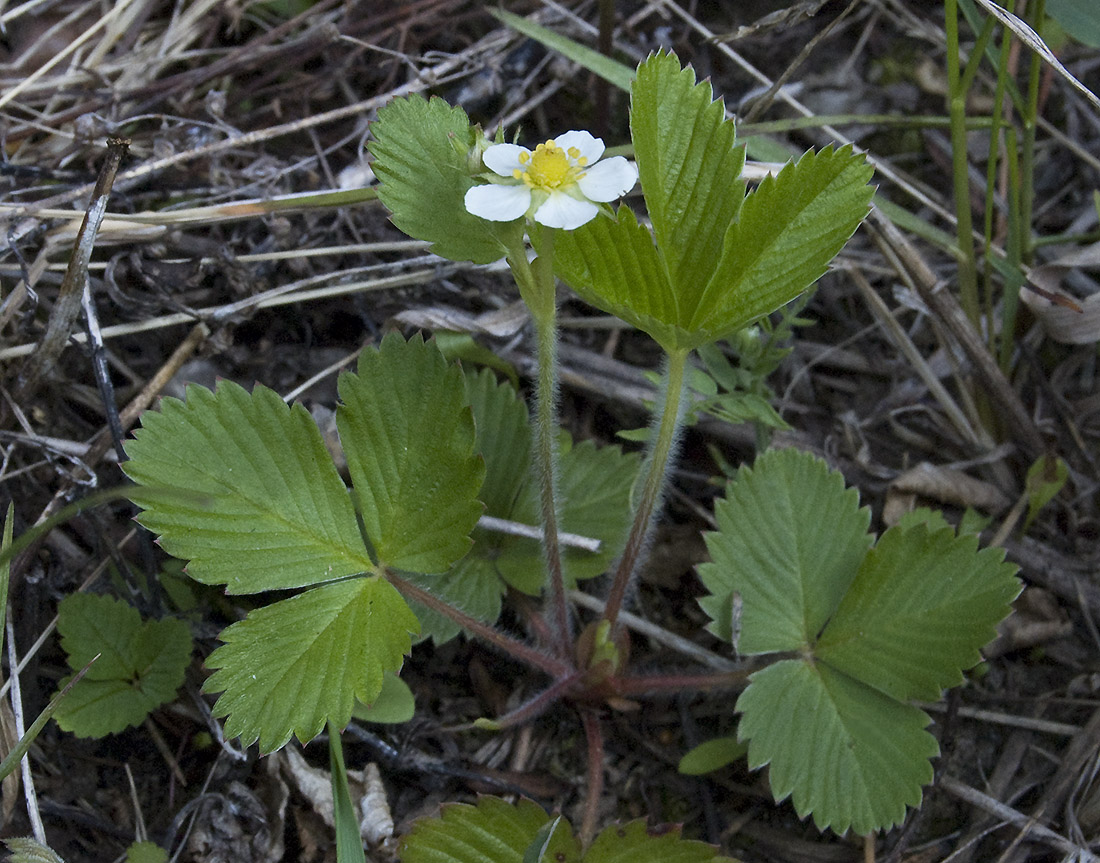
point(140, 665)
point(858, 631)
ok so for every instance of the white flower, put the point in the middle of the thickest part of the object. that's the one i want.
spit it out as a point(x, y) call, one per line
point(556, 184)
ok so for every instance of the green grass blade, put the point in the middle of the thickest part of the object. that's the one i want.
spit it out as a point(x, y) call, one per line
point(12, 759)
point(349, 843)
point(610, 70)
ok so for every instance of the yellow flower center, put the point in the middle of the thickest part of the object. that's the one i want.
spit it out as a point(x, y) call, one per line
point(550, 167)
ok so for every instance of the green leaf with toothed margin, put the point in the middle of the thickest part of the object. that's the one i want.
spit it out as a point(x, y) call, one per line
point(294, 665)
point(594, 492)
point(626, 843)
point(842, 751)
point(921, 606)
point(408, 435)
point(873, 629)
point(422, 156)
point(493, 831)
point(141, 664)
point(716, 260)
point(689, 170)
point(790, 538)
point(786, 233)
point(259, 504)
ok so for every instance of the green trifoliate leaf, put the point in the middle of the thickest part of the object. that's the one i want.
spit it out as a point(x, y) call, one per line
point(846, 753)
point(292, 666)
point(140, 667)
point(493, 831)
point(721, 260)
point(688, 168)
point(259, 504)
point(790, 539)
point(409, 440)
point(877, 628)
point(787, 232)
point(422, 156)
point(922, 605)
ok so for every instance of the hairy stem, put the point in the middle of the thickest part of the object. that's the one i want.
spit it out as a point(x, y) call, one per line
point(544, 309)
point(656, 472)
point(642, 685)
point(535, 707)
point(513, 647)
point(594, 779)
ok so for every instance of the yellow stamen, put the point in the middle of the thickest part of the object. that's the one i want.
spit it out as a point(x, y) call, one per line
point(549, 167)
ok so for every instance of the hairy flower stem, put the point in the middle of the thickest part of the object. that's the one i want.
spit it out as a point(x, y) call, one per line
point(656, 471)
point(536, 283)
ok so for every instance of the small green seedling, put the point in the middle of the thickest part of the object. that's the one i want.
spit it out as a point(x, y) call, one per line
point(258, 504)
point(141, 664)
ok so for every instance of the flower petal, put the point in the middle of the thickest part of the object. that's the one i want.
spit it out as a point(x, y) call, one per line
point(590, 148)
point(608, 180)
point(562, 211)
point(503, 159)
point(498, 203)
